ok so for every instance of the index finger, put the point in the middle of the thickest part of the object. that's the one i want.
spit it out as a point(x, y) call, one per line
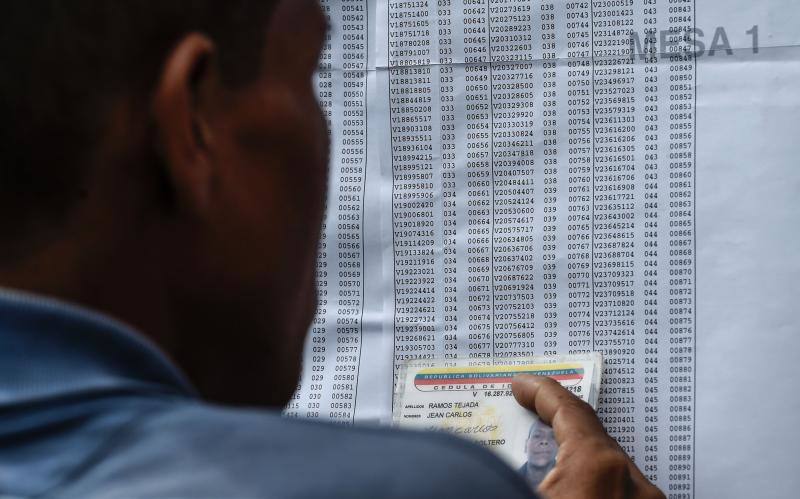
point(569, 416)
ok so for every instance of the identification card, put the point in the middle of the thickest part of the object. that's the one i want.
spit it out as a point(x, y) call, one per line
point(474, 400)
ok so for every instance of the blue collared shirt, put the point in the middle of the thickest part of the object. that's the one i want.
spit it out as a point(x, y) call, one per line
point(89, 408)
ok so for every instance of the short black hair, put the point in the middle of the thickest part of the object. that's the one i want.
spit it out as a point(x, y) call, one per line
point(60, 63)
point(535, 425)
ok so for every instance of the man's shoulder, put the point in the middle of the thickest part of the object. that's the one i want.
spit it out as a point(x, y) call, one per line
point(200, 450)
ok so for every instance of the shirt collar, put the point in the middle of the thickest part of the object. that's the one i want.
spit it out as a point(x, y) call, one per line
point(49, 348)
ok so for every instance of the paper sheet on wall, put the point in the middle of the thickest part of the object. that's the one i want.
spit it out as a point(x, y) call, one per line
point(519, 177)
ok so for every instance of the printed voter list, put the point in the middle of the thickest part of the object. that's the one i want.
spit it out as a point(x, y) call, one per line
point(514, 177)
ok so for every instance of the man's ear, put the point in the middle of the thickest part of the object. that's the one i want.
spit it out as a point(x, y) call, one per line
point(182, 132)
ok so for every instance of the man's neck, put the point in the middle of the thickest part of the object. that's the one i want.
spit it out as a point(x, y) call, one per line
point(116, 280)
point(536, 473)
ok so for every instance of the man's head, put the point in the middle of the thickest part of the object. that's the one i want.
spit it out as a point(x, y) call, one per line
point(166, 162)
point(540, 447)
